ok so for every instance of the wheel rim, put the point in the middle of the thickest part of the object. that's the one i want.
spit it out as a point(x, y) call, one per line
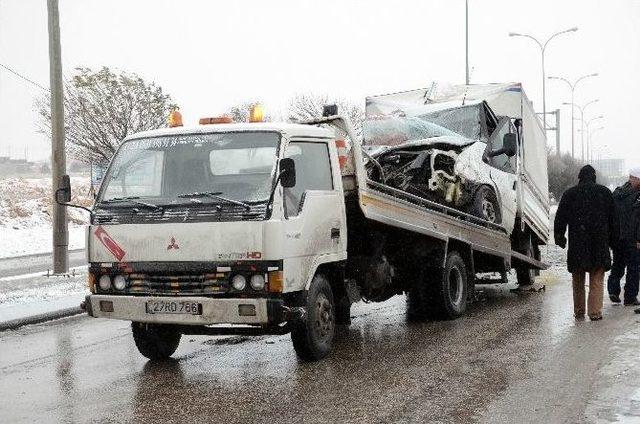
point(323, 317)
point(456, 286)
point(488, 210)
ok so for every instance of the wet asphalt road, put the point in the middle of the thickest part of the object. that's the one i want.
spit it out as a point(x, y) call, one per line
point(513, 358)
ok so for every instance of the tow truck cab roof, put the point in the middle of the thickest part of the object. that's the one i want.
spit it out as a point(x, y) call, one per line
point(289, 130)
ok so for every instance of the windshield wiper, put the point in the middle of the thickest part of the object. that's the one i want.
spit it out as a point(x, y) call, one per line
point(133, 199)
point(215, 195)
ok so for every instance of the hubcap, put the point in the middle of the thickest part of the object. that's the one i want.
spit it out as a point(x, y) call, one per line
point(324, 317)
point(488, 210)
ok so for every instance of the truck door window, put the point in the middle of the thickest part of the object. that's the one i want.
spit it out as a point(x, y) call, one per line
point(313, 172)
point(502, 162)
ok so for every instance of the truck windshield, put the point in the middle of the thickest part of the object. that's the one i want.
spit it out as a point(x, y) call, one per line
point(238, 166)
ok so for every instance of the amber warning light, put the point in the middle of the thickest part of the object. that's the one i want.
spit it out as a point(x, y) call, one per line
point(216, 120)
point(256, 114)
point(175, 119)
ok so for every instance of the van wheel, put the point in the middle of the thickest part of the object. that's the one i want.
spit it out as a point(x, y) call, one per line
point(155, 341)
point(313, 337)
point(485, 205)
point(443, 297)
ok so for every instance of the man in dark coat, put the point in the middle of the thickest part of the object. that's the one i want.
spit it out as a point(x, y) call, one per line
point(589, 211)
point(626, 254)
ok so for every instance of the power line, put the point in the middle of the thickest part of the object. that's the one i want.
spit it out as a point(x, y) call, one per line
point(19, 75)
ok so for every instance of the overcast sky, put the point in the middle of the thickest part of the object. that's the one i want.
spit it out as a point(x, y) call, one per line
point(212, 54)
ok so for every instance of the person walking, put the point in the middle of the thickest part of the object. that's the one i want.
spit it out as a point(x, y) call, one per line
point(588, 210)
point(626, 253)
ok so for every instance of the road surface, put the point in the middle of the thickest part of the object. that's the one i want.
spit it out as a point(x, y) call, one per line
point(515, 358)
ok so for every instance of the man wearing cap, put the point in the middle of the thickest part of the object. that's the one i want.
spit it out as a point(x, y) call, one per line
point(626, 254)
point(589, 211)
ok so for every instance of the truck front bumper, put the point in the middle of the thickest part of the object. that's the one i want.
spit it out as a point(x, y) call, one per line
point(214, 311)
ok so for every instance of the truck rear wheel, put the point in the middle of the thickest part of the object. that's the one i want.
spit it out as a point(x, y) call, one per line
point(313, 337)
point(445, 297)
point(155, 341)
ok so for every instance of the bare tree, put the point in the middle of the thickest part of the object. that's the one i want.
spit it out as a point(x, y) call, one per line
point(101, 108)
point(307, 106)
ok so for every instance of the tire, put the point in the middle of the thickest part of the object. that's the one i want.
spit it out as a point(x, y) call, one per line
point(526, 276)
point(155, 341)
point(485, 205)
point(313, 337)
point(442, 298)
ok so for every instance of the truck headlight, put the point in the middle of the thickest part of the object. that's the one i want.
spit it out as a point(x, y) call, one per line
point(257, 281)
point(104, 282)
point(238, 282)
point(119, 282)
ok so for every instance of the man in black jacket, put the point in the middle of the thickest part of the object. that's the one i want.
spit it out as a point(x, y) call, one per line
point(589, 211)
point(626, 254)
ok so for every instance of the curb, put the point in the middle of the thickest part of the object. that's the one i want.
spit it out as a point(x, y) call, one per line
point(37, 319)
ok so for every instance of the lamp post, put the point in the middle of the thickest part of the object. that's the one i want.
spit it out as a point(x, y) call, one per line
point(573, 86)
point(588, 123)
point(466, 45)
point(590, 136)
point(543, 48)
point(582, 109)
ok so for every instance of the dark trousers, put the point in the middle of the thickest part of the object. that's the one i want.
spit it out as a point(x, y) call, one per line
point(626, 256)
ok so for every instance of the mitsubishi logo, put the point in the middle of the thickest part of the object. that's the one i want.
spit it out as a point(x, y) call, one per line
point(173, 244)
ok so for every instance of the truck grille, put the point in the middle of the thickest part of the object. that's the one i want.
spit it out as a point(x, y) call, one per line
point(212, 283)
point(191, 213)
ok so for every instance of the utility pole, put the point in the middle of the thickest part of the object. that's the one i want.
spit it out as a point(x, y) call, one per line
point(466, 10)
point(58, 157)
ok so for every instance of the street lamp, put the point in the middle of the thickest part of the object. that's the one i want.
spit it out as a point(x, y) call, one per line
point(543, 47)
point(582, 109)
point(573, 86)
point(588, 123)
point(590, 135)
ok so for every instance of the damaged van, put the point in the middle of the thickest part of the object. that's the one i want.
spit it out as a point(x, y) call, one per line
point(478, 148)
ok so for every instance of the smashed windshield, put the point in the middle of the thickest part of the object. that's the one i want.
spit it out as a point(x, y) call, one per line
point(404, 124)
point(163, 169)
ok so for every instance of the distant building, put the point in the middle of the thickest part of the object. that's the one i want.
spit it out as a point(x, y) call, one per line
point(613, 171)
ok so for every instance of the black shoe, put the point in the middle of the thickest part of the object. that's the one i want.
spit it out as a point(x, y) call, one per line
point(596, 318)
point(637, 310)
point(632, 302)
point(614, 298)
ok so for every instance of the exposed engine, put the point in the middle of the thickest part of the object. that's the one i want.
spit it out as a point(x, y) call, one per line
point(428, 173)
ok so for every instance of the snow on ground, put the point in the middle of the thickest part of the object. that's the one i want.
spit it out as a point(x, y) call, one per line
point(25, 215)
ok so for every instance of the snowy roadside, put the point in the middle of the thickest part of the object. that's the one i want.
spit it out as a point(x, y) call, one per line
point(25, 215)
point(33, 294)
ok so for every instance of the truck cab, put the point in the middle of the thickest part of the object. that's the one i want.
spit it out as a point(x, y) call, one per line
point(216, 224)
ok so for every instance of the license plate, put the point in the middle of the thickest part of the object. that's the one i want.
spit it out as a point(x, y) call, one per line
point(173, 307)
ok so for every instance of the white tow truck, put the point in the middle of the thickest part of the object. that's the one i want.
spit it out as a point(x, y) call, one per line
point(274, 228)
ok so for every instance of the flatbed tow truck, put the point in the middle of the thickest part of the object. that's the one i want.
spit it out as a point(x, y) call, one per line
point(273, 228)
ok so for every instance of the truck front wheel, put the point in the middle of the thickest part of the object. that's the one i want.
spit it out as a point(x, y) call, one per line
point(313, 337)
point(155, 341)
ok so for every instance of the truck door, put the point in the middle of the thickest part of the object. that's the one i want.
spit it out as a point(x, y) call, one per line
point(315, 220)
point(503, 173)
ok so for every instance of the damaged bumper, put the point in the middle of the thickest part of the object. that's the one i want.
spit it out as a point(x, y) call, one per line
point(207, 311)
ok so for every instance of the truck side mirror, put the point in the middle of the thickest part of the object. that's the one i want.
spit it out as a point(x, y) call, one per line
point(287, 172)
point(510, 144)
point(63, 194)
